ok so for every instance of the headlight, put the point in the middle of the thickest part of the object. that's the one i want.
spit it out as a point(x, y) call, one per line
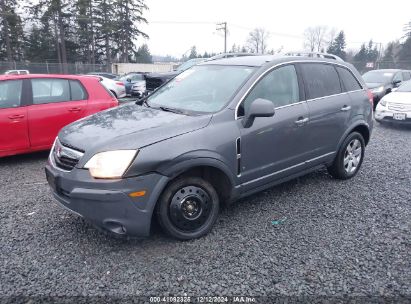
point(111, 164)
point(379, 89)
point(383, 102)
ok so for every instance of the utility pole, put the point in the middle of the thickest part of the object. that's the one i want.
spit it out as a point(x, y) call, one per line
point(223, 27)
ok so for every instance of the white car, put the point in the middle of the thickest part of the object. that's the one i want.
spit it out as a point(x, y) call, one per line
point(396, 106)
point(16, 72)
point(116, 87)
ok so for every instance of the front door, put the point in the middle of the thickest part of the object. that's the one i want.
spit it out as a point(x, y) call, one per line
point(274, 147)
point(13, 117)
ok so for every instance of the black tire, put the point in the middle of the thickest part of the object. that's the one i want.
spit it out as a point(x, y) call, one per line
point(176, 214)
point(339, 169)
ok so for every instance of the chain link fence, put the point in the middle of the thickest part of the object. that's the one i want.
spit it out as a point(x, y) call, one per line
point(52, 67)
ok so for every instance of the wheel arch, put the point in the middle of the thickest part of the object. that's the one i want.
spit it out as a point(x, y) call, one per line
point(212, 170)
point(361, 127)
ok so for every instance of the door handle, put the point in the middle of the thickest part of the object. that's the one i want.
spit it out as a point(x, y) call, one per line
point(301, 121)
point(346, 108)
point(17, 116)
point(74, 109)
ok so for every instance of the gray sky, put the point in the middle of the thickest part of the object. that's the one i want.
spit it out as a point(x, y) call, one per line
point(361, 20)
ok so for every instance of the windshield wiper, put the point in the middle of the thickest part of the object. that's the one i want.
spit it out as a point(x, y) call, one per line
point(173, 110)
point(143, 101)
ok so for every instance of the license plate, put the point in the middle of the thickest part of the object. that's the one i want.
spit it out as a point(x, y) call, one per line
point(399, 116)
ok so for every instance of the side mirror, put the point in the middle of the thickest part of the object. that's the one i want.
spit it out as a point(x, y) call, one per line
point(396, 83)
point(258, 108)
point(128, 79)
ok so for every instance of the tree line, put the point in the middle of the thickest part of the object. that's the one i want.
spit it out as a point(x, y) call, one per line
point(87, 31)
point(395, 54)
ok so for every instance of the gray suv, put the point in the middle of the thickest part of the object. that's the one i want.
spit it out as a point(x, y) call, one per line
point(219, 131)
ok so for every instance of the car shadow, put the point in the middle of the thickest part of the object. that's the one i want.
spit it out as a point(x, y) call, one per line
point(23, 158)
point(395, 126)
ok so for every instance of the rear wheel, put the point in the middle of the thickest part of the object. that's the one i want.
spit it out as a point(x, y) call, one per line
point(349, 158)
point(188, 208)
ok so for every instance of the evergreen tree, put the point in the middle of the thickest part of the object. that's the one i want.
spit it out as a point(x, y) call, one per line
point(404, 55)
point(338, 45)
point(105, 26)
point(11, 32)
point(40, 44)
point(193, 52)
point(85, 31)
point(129, 15)
point(144, 55)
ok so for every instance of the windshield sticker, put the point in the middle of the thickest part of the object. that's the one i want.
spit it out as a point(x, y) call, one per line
point(184, 75)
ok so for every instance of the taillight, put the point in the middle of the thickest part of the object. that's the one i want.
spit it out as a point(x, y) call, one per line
point(120, 83)
point(370, 97)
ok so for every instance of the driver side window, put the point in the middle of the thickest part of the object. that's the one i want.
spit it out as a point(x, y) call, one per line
point(279, 86)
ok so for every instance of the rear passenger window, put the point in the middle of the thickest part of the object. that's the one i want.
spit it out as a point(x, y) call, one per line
point(49, 90)
point(279, 86)
point(320, 80)
point(349, 82)
point(77, 90)
point(10, 93)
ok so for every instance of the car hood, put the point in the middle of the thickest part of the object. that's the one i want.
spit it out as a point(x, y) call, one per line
point(399, 97)
point(128, 127)
point(373, 85)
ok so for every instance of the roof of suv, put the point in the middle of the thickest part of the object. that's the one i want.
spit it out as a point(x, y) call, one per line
point(263, 59)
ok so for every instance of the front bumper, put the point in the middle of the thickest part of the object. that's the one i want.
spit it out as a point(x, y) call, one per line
point(106, 203)
point(383, 114)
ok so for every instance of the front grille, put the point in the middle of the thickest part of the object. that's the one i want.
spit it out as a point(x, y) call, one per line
point(153, 83)
point(400, 107)
point(65, 158)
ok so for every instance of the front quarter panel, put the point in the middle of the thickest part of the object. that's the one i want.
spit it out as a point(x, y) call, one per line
point(214, 145)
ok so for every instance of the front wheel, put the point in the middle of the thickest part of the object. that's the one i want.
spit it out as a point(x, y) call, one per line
point(188, 208)
point(349, 158)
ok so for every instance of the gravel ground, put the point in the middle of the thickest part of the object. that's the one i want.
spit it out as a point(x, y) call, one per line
point(336, 238)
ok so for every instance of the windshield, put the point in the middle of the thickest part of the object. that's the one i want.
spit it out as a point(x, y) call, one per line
point(377, 77)
point(205, 88)
point(188, 64)
point(405, 87)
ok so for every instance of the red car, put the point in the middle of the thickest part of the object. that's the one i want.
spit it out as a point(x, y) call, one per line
point(33, 108)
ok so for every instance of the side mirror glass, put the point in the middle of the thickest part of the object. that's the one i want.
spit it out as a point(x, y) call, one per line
point(128, 79)
point(258, 108)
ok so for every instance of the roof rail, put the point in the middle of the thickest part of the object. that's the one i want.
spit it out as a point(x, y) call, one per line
point(230, 55)
point(314, 55)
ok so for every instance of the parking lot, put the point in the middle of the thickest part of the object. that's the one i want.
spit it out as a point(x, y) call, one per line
point(329, 238)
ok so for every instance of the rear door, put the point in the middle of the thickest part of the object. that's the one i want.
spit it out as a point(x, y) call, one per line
point(56, 103)
point(13, 116)
point(330, 109)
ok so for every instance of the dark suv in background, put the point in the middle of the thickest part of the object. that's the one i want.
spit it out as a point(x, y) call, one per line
point(219, 131)
point(382, 82)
